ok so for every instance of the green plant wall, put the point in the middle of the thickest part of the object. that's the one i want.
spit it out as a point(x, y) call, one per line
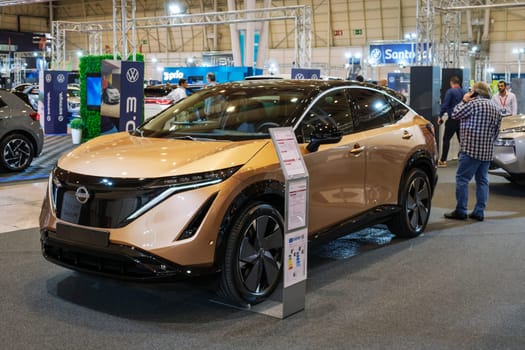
point(91, 118)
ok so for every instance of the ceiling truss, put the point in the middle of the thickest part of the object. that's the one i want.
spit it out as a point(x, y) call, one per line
point(302, 16)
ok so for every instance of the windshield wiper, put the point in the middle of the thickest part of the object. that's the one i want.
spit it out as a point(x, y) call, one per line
point(191, 138)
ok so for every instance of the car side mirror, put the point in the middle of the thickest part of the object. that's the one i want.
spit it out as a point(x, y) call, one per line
point(323, 134)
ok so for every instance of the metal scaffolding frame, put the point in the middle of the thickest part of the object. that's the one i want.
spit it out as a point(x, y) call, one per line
point(425, 40)
point(448, 54)
point(451, 40)
point(302, 16)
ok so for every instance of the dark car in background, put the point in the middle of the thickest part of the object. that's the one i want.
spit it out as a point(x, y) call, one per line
point(21, 135)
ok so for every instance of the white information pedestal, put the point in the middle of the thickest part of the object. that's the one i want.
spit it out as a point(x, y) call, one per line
point(296, 227)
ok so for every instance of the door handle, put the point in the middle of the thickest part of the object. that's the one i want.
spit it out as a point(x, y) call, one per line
point(406, 135)
point(357, 149)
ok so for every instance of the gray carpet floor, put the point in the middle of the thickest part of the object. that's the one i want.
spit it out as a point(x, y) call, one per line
point(460, 285)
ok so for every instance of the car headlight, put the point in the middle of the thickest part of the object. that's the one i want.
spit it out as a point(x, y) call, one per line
point(181, 183)
point(503, 142)
point(194, 180)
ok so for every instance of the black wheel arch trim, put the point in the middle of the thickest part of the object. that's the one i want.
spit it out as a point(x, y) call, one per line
point(271, 191)
point(421, 159)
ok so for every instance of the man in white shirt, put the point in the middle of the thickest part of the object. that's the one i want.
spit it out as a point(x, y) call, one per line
point(180, 92)
point(505, 100)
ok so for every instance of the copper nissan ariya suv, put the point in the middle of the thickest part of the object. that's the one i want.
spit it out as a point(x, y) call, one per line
point(198, 189)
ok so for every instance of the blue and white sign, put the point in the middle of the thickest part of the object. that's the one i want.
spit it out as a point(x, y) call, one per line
point(304, 73)
point(131, 94)
point(55, 102)
point(198, 74)
point(403, 53)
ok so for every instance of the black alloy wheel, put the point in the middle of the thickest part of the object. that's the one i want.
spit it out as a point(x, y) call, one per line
point(254, 255)
point(415, 202)
point(16, 152)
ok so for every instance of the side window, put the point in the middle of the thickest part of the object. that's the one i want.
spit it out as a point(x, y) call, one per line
point(2, 103)
point(372, 110)
point(399, 108)
point(331, 109)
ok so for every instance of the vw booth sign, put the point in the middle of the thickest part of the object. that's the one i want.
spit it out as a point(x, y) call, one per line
point(306, 73)
point(131, 95)
point(55, 102)
point(404, 53)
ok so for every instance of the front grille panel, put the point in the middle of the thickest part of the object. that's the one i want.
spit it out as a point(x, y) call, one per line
point(109, 201)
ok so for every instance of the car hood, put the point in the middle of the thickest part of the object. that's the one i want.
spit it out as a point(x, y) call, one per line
point(513, 122)
point(124, 156)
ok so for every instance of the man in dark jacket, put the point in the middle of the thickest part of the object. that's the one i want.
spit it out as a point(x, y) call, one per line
point(452, 97)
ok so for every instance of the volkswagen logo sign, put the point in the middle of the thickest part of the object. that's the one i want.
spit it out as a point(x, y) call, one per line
point(375, 54)
point(132, 75)
point(48, 78)
point(82, 195)
point(299, 76)
point(61, 78)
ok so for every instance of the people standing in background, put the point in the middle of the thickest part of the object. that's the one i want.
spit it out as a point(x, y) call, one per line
point(480, 123)
point(180, 92)
point(505, 100)
point(210, 78)
point(214, 104)
point(452, 97)
point(382, 82)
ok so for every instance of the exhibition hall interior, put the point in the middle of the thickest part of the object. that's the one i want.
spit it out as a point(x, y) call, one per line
point(259, 174)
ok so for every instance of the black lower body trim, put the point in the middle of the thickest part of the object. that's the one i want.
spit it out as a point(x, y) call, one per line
point(115, 260)
point(369, 218)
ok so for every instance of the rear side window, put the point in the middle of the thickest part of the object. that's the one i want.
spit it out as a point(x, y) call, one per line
point(331, 109)
point(372, 110)
point(400, 110)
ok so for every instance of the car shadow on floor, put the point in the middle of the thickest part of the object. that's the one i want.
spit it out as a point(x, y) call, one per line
point(194, 301)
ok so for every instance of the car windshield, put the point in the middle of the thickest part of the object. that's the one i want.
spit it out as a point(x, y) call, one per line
point(229, 112)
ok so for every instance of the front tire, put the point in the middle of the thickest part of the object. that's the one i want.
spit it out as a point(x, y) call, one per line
point(16, 152)
point(252, 266)
point(415, 201)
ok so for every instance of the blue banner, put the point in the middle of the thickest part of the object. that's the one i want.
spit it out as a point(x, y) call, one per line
point(55, 102)
point(131, 95)
point(399, 54)
point(197, 75)
point(306, 73)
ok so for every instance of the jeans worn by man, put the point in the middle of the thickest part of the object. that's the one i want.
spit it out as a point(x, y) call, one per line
point(480, 122)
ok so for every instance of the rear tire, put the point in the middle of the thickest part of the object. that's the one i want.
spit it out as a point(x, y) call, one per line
point(252, 266)
point(16, 152)
point(415, 201)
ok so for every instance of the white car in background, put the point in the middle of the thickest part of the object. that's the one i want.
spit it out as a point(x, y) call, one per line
point(73, 100)
point(509, 150)
point(156, 97)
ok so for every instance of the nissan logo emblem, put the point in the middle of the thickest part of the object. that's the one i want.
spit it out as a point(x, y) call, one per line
point(82, 195)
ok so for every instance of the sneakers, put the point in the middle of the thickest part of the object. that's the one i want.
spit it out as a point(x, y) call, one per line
point(476, 217)
point(442, 164)
point(456, 215)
